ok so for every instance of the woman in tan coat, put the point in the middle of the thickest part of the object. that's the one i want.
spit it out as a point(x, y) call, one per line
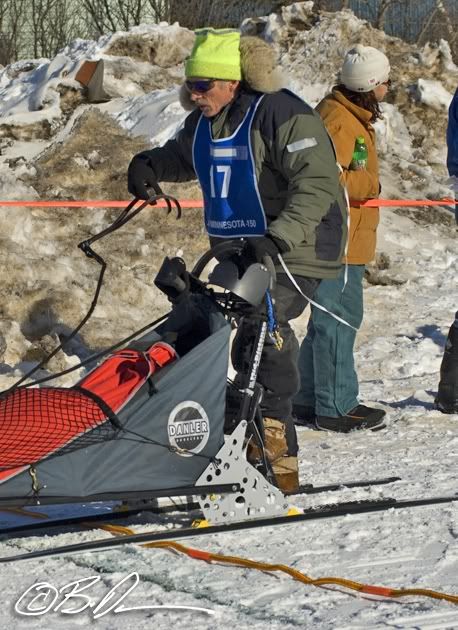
point(329, 383)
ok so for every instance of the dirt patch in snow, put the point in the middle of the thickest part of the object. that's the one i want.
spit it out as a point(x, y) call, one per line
point(90, 164)
point(155, 48)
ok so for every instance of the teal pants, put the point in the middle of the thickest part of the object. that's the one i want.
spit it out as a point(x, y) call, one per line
point(328, 380)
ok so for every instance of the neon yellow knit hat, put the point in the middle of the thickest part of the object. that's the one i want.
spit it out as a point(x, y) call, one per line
point(215, 55)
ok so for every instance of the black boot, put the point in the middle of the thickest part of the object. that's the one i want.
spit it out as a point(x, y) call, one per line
point(303, 415)
point(361, 417)
point(447, 396)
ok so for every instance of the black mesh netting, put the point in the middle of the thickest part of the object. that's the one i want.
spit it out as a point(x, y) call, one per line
point(37, 423)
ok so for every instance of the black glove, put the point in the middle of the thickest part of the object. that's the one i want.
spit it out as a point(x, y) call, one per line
point(259, 247)
point(140, 177)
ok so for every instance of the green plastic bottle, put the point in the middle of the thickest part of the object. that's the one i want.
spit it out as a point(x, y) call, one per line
point(359, 158)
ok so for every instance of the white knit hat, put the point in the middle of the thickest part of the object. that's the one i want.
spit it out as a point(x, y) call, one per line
point(364, 68)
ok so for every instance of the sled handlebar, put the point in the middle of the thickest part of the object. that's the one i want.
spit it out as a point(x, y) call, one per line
point(221, 250)
point(226, 249)
point(234, 272)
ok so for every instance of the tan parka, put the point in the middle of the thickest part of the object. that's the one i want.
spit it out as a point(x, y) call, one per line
point(345, 122)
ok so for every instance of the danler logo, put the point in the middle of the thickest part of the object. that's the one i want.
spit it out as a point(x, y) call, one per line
point(188, 428)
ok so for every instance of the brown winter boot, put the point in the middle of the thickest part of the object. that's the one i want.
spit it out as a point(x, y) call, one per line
point(286, 471)
point(284, 466)
point(274, 441)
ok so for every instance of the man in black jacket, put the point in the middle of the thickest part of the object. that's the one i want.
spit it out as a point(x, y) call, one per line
point(268, 174)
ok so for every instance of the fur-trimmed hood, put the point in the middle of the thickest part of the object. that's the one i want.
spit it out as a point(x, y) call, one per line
point(259, 65)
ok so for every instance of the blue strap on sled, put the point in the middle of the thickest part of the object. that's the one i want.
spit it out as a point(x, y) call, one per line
point(272, 325)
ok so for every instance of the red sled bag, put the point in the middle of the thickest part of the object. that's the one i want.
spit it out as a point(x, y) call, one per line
point(36, 423)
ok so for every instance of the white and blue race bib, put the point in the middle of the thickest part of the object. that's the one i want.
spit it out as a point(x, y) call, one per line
point(227, 176)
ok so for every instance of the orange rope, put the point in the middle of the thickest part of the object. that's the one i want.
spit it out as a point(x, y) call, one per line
point(198, 203)
point(184, 203)
point(198, 554)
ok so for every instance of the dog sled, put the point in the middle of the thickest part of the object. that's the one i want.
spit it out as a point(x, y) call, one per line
point(157, 417)
point(150, 419)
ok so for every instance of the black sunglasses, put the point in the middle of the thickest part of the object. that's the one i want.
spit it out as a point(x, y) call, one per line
point(200, 85)
point(387, 83)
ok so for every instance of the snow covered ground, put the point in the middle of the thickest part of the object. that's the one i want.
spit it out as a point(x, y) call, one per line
point(410, 305)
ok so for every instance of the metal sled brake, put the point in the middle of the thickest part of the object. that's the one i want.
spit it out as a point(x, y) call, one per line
point(149, 420)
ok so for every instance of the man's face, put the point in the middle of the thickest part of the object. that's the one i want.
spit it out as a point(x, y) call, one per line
point(211, 95)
